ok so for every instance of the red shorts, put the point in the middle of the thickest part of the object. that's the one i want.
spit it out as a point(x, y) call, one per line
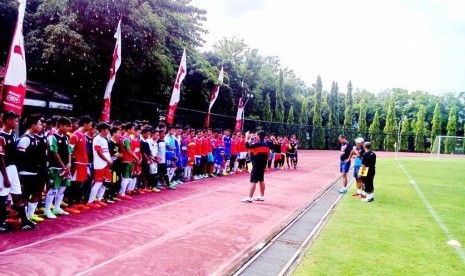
point(101, 175)
point(136, 169)
point(79, 172)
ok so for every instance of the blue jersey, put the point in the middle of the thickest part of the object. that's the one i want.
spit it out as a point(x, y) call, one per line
point(227, 145)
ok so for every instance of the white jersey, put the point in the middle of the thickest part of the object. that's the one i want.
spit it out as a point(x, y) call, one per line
point(153, 147)
point(100, 144)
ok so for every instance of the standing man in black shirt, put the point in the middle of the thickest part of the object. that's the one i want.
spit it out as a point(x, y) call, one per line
point(30, 164)
point(8, 168)
point(368, 163)
point(260, 154)
point(346, 148)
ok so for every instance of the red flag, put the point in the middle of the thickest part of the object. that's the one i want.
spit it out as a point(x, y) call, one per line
point(14, 84)
point(240, 110)
point(176, 94)
point(115, 64)
point(214, 96)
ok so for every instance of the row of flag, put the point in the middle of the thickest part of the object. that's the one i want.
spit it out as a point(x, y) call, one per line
point(14, 84)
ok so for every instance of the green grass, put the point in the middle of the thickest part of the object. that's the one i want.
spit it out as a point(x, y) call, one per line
point(396, 234)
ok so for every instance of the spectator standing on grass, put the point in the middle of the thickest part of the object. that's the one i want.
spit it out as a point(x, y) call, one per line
point(368, 162)
point(357, 152)
point(346, 148)
point(260, 153)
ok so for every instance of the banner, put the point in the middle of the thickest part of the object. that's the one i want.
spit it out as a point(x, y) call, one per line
point(176, 94)
point(115, 64)
point(240, 110)
point(214, 96)
point(14, 83)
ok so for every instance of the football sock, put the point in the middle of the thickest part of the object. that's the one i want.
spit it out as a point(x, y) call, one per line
point(94, 191)
point(49, 199)
point(59, 197)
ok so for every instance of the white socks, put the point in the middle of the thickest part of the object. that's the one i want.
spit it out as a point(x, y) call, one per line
point(94, 191)
point(124, 186)
point(31, 208)
point(59, 197)
point(49, 199)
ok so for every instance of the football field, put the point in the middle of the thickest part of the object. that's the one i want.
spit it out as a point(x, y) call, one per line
point(419, 209)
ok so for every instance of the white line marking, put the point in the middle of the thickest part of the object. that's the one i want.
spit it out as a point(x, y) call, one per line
point(432, 211)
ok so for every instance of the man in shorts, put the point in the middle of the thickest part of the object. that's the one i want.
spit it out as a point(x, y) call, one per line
point(59, 164)
point(346, 148)
point(260, 154)
point(10, 179)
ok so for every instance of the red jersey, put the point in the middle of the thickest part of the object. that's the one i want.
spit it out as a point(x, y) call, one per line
point(234, 146)
point(241, 145)
point(206, 146)
point(135, 147)
point(78, 143)
point(218, 143)
point(191, 148)
point(198, 146)
point(284, 146)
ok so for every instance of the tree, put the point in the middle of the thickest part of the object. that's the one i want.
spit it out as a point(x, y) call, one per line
point(419, 130)
point(436, 127)
point(348, 116)
point(404, 134)
point(374, 132)
point(303, 121)
point(451, 131)
point(331, 100)
point(362, 119)
point(279, 107)
point(267, 114)
point(317, 133)
point(290, 121)
point(390, 128)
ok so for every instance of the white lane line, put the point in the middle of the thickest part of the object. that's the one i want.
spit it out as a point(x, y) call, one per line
point(432, 211)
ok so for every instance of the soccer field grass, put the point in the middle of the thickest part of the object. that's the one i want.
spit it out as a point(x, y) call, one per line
point(397, 234)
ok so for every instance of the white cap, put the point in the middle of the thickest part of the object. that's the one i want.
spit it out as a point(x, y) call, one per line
point(359, 140)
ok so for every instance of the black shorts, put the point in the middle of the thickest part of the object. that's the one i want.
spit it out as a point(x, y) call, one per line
point(30, 185)
point(257, 174)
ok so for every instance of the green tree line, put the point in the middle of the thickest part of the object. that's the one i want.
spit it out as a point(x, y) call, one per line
point(69, 44)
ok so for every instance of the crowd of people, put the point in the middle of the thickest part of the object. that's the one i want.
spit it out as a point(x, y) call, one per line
point(65, 166)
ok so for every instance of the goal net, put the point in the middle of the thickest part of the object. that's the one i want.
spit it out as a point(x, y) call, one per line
point(448, 145)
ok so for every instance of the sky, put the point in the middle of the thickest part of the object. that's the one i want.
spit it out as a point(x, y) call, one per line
point(411, 44)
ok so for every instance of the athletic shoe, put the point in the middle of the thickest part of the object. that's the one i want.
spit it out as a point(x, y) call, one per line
point(179, 182)
point(93, 205)
point(101, 203)
point(109, 201)
point(81, 207)
point(72, 210)
point(172, 187)
point(28, 225)
point(5, 228)
point(356, 194)
point(115, 199)
point(64, 204)
point(196, 177)
point(259, 198)
point(60, 212)
point(36, 218)
point(125, 197)
point(225, 173)
point(342, 191)
point(247, 200)
point(368, 199)
point(211, 175)
point(50, 215)
point(154, 189)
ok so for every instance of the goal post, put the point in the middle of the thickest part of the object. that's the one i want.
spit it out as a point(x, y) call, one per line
point(448, 145)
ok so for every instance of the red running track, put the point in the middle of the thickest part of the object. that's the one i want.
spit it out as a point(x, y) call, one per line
point(201, 228)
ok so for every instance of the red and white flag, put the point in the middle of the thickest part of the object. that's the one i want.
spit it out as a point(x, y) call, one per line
point(214, 96)
point(176, 94)
point(14, 84)
point(115, 64)
point(240, 111)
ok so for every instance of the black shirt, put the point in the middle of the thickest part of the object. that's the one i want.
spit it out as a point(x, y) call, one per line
point(260, 153)
point(346, 148)
point(10, 147)
point(369, 160)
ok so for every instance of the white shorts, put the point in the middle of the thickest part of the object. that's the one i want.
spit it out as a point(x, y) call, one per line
point(15, 188)
point(242, 155)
